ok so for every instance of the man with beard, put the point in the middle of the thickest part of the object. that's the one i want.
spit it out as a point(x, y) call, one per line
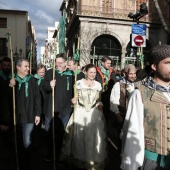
point(120, 92)
point(5, 112)
point(105, 73)
point(146, 131)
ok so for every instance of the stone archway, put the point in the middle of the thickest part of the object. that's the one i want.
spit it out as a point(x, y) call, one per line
point(88, 35)
point(106, 45)
point(93, 37)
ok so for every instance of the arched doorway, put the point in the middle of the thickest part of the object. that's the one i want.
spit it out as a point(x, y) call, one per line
point(106, 45)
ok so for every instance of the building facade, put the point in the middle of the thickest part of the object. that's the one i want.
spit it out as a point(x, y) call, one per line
point(48, 52)
point(104, 28)
point(23, 36)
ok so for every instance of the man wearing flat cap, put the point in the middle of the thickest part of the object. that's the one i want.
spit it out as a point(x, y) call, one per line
point(146, 130)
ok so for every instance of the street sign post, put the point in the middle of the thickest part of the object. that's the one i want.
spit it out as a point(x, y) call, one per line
point(138, 35)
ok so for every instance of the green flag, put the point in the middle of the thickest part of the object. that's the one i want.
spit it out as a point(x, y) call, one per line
point(76, 56)
point(7, 37)
point(29, 54)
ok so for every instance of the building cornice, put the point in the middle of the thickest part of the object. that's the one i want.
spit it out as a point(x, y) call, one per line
point(8, 11)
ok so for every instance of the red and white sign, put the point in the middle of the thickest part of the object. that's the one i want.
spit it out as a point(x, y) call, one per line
point(138, 40)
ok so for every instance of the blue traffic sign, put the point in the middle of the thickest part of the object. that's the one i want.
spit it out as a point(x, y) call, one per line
point(139, 29)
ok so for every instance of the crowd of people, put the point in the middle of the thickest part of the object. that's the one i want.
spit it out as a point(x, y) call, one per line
point(84, 110)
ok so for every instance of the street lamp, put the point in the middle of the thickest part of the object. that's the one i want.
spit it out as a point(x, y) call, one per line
point(140, 13)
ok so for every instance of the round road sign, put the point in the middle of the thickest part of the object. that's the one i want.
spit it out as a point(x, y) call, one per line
point(138, 40)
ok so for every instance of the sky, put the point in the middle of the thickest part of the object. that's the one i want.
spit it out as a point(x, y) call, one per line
point(42, 13)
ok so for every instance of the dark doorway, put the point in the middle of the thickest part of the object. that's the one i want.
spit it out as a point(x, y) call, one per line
point(106, 45)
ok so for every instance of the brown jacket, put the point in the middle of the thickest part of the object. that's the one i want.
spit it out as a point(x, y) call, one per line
point(156, 121)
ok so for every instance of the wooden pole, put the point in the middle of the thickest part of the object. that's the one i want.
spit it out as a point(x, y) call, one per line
point(53, 122)
point(75, 95)
point(67, 54)
point(75, 87)
point(142, 59)
point(31, 60)
point(93, 54)
point(14, 105)
point(141, 55)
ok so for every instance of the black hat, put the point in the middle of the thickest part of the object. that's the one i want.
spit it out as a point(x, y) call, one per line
point(158, 53)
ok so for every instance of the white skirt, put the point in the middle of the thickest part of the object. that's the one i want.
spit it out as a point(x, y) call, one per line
point(85, 140)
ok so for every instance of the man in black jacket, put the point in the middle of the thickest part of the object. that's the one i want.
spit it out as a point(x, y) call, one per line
point(63, 93)
point(40, 77)
point(28, 100)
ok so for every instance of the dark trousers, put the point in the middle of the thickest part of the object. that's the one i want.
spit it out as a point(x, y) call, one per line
point(59, 129)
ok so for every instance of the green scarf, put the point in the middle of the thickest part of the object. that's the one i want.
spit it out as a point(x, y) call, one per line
point(21, 81)
point(162, 160)
point(2, 74)
point(105, 72)
point(38, 78)
point(78, 72)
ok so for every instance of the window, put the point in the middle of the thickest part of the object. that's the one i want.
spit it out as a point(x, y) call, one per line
point(3, 22)
point(139, 2)
point(3, 48)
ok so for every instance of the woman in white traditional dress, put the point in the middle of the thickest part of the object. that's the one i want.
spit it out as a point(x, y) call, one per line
point(84, 143)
